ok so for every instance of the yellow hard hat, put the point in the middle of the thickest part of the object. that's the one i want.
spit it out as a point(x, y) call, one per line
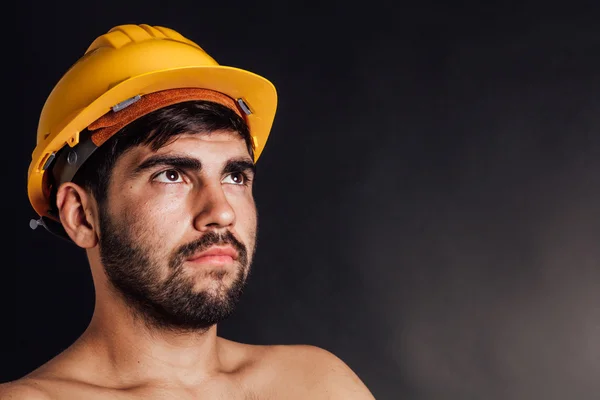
point(124, 64)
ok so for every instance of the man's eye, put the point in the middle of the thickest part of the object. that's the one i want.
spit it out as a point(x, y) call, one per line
point(169, 176)
point(236, 178)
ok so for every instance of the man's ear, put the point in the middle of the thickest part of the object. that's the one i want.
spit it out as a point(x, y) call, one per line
point(77, 212)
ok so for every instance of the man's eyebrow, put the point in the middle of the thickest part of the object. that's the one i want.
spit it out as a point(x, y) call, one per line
point(239, 165)
point(182, 162)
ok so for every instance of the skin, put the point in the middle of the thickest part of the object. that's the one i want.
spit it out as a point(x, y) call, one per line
point(119, 356)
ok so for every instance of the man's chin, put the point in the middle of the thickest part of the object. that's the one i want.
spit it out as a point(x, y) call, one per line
point(198, 312)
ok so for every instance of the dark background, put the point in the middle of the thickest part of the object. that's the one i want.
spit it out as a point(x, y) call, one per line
point(428, 197)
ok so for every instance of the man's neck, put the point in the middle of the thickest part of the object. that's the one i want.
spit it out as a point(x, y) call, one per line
point(129, 351)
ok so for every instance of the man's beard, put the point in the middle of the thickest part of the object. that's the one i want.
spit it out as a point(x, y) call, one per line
point(170, 303)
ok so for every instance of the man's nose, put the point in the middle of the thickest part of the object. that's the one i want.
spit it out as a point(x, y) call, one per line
point(212, 208)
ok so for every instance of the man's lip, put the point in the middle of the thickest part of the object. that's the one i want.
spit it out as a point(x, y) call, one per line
point(216, 251)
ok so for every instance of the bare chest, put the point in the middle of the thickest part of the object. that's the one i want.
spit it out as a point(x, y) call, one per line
point(229, 391)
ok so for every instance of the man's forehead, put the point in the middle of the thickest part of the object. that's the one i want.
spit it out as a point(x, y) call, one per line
point(219, 146)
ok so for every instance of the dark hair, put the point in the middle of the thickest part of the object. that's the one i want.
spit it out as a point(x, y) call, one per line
point(156, 130)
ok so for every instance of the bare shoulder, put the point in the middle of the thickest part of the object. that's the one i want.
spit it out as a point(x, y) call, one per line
point(26, 389)
point(295, 372)
point(323, 373)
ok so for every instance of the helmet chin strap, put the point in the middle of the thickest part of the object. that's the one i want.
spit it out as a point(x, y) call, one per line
point(51, 226)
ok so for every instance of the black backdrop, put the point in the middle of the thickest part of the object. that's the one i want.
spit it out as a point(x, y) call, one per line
point(428, 196)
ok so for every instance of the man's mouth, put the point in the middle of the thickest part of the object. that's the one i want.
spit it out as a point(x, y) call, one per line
point(216, 255)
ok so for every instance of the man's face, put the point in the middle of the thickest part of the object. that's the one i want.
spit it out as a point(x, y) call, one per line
point(178, 232)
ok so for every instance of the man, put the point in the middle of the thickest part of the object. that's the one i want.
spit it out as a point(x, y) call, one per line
point(145, 158)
